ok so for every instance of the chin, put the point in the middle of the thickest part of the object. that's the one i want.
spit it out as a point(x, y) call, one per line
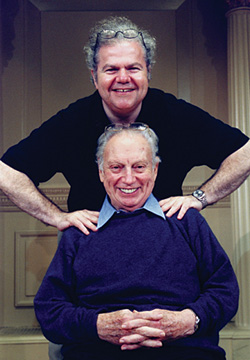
point(130, 207)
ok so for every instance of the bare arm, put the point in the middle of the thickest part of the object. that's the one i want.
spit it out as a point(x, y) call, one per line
point(231, 174)
point(21, 190)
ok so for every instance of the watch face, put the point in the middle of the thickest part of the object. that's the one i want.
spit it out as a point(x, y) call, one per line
point(198, 193)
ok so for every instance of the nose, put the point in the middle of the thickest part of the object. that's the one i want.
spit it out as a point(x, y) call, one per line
point(123, 76)
point(128, 177)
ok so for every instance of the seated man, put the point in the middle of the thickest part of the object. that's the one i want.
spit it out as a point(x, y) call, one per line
point(143, 286)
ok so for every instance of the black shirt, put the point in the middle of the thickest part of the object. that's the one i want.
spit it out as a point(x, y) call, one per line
point(66, 143)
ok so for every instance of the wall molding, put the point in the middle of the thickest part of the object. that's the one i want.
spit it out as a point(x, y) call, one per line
point(59, 196)
point(34, 251)
point(99, 5)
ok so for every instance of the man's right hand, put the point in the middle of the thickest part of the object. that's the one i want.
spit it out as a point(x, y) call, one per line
point(22, 191)
point(82, 219)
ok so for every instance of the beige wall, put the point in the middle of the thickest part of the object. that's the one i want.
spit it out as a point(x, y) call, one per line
point(47, 72)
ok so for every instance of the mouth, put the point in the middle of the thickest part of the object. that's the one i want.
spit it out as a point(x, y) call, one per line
point(123, 90)
point(128, 191)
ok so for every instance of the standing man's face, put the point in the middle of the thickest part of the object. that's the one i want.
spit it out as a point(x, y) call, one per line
point(128, 174)
point(122, 79)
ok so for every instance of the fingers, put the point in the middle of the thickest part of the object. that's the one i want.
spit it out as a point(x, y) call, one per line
point(179, 203)
point(133, 330)
point(150, 332)
point(142, 330)
point(109, 325)
point(171, 205)
point(144, 336)
point(145, 331)
point(88, 218)
point(153, 315)
point(147, 343)
point(144, 318)
point(135, 323)
point(84, 220)
point(84, 228)
point(184, 208)
point(166, 204)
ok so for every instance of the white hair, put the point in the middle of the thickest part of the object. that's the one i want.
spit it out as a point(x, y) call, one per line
point(148, 134)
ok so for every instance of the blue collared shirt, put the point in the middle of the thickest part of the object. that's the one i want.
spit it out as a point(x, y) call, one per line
point(108, 210)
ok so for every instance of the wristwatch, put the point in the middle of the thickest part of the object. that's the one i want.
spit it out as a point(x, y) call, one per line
point(201, 196)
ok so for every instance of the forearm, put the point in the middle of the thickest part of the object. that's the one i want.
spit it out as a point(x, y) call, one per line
point(231, 174)
point(62, 318)
point(62, 322)
point(21, 190)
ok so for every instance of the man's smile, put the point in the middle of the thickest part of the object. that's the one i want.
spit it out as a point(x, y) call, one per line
point(128, 191)
point(122, 90)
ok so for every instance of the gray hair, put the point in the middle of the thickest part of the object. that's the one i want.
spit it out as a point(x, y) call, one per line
point(118, 23)
point(148, 134)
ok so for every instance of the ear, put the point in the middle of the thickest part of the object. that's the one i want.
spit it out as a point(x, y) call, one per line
point(156, 170)
point(149, 72)
point(94, 79)
point(101, 176)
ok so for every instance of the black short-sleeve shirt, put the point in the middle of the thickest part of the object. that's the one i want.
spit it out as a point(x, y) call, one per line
point(66, 143)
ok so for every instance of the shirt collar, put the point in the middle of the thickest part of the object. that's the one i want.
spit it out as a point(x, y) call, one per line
point(107, 210)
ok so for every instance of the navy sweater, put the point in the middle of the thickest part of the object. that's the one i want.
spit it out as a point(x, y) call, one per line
point(136, 261)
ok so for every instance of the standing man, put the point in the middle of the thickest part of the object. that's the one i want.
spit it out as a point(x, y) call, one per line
point(120, 57)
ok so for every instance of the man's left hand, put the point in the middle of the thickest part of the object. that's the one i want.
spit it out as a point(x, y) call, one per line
point(179, 203)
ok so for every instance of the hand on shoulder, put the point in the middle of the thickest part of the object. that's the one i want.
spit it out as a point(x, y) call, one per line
point(179, 203)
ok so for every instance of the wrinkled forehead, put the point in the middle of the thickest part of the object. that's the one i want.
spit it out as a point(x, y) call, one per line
point(120, 50)
point(129, 144)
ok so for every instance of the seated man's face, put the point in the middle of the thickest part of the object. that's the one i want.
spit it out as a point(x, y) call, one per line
point(128, 175)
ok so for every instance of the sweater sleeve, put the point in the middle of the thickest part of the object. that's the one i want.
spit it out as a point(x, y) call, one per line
point(219, 296)
point(62, 320)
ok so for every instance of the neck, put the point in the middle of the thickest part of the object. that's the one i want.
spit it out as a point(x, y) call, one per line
point(119, 118)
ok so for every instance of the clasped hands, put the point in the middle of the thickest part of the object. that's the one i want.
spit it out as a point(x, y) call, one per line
point(133, 330)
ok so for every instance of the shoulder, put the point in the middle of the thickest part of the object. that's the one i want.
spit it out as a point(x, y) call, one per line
point(178, 111)
point(192, 222)
point(163, 111)
point(70, 118)
point(190, 216)
point(71, 239)
point(159, 96)
point(175, 105)
point(81, 103)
